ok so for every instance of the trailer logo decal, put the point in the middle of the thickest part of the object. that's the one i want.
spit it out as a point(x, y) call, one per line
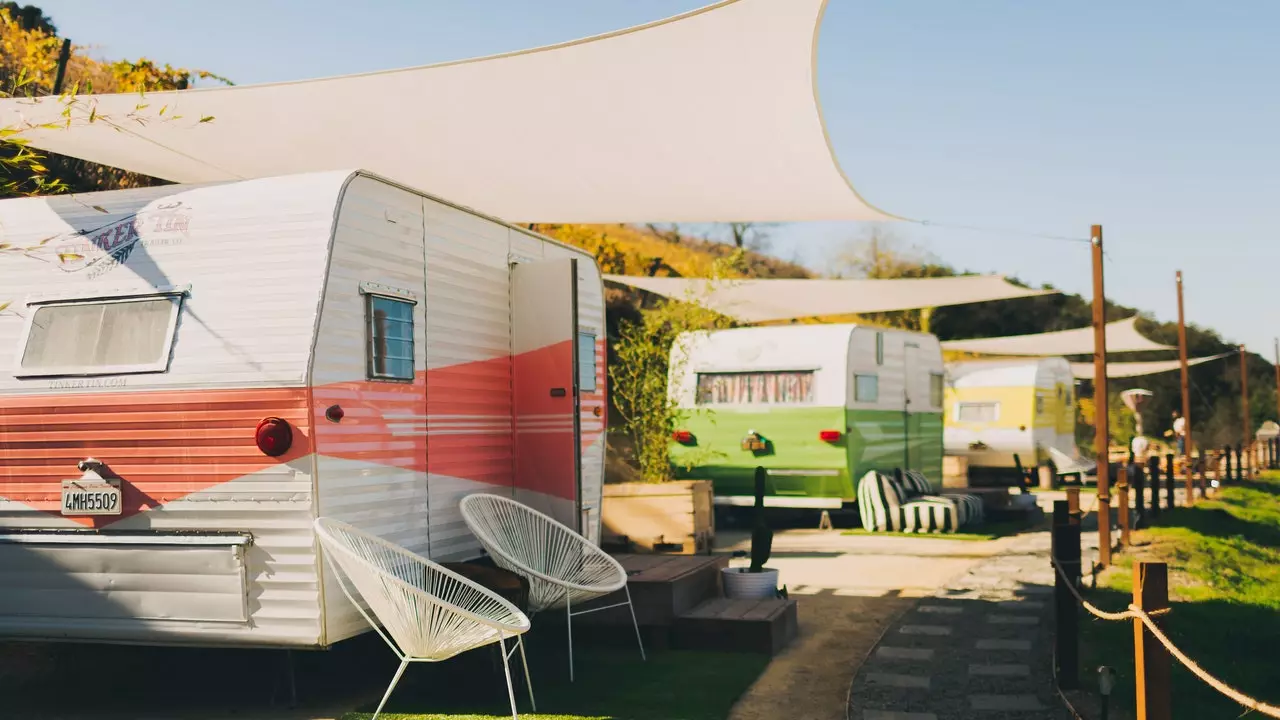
point(102, 250)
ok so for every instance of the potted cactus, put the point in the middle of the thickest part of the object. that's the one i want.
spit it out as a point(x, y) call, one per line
point(757, 581)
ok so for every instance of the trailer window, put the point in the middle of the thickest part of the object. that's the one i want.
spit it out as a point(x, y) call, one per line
point(586, 362)
point(866, 388)
point(101, 337)
point(936, 387)
point(390, 336)
point(879, 348)
point(1039, 404)
point(755, 388)
point(978, 412)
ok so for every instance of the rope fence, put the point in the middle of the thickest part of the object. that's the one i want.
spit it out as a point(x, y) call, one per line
point(1134, 612)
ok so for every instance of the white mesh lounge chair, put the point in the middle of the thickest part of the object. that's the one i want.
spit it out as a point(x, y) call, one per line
point(431, 613)
point(563, 568)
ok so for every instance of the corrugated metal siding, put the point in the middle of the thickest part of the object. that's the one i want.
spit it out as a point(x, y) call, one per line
point(590, 319)
point(253, 254)
point(370, 466)
point(469, 401)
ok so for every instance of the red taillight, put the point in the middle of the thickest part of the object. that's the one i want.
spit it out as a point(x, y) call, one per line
point(274, 436)
point(829, 435)
point(684, 437)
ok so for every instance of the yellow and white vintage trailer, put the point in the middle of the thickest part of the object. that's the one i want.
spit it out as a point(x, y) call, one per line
point(998, 408)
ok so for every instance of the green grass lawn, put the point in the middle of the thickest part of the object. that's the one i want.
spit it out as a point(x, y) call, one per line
point(611, 684)
point(1224, 580)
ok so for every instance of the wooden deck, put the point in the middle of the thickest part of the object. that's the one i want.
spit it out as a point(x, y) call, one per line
point(663, 587)
point(679, 601)
point(764, 626)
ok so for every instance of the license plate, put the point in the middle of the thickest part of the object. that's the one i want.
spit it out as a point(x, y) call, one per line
point(90, 498)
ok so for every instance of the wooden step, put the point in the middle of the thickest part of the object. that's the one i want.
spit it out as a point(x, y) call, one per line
point(764, 626)
point(663, 587)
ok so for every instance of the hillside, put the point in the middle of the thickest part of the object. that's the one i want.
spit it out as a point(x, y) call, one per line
point(1215, 394)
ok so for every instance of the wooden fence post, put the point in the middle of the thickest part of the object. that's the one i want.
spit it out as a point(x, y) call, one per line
point(1202, 473)
point(1122, 506)
point(1226, 459)
point(1168, 480)
point(1153, 466)
point(1239, 462)
point(1151, 662)
point(1140, 492)
point(1066, 549)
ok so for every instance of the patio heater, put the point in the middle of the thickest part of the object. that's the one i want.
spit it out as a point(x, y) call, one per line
point(1135, 399)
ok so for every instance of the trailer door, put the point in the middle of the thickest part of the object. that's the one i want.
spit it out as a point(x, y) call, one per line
point(548, 453)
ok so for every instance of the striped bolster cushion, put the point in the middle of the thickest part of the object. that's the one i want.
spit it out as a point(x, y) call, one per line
point(932, 513)
point(879, 502)
point(972, 506)
point(917, 483)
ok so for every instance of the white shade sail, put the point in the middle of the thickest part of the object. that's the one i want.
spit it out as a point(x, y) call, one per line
point(644, 124)
point(1122, 336)
point(1084, 371)
point(764, 300)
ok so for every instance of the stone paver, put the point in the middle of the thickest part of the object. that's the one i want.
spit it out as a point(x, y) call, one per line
point(899, 653)
point(988, 656)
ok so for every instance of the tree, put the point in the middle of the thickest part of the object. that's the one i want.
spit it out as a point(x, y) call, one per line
point(28, 67)
point(880, 254)
point(30, 17)
point(640, 369)
point(751, 235)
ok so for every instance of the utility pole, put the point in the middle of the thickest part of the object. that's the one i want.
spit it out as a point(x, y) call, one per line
point(1186, 394)
point(1245, 441)
point(1102, 435)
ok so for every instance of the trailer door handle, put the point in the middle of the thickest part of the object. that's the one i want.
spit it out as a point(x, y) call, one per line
point(558, 392)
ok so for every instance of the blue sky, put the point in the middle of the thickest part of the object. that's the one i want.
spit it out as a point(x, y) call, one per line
point(1156, 119)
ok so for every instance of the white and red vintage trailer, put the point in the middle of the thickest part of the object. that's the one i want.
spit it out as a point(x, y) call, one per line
point(189, 375)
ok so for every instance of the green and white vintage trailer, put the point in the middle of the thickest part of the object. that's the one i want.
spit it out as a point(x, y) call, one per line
point(817, 405)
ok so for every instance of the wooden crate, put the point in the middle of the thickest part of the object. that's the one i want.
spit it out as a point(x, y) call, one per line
point(671, 517)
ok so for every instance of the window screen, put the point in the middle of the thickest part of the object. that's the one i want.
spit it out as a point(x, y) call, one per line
point(586, 362)
point(106, 337)
point(978, 412)
point(755, 388)
point(390, 338)
point(866, 388)
point(936, 388)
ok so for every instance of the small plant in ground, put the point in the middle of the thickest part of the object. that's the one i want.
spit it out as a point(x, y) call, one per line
point(641, 368)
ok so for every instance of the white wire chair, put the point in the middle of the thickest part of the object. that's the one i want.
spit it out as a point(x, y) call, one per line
point(563, 567)
point(431, 613)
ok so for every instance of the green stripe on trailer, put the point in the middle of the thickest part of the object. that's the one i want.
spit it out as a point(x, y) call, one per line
point(806, 471)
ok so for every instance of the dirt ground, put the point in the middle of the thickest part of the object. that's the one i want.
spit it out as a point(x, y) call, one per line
point(810, 679)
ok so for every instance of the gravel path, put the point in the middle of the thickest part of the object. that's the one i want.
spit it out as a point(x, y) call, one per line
point(979, 648)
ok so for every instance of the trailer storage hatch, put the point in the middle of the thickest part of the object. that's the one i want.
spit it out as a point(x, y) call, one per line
point(92, 576)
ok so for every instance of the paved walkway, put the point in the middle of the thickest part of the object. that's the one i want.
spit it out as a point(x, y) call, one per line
point(978, 648)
